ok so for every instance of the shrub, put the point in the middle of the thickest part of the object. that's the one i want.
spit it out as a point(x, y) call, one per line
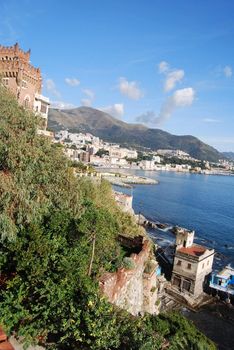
point(128, 263)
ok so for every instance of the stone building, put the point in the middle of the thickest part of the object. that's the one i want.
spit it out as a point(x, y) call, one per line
point(23, 80)
point(192, 264)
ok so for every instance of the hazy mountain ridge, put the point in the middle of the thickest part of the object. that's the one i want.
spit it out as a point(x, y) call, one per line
point(87, 119)
point(229, 155)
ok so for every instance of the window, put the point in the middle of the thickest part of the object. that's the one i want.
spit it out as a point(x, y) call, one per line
point(24, 84)
point(189, 266)
point(203, 265)
point(177, 281)
point(26, 102)
point(186, 285)
point(208, 261)
point(5, 81)
point(179, 263)
point(43, 108)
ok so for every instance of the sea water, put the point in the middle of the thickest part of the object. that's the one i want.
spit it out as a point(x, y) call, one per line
point(204, 203)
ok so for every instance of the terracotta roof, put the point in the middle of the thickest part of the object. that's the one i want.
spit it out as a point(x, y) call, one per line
point(195, 250)
point(4, 343)
point(2, 335)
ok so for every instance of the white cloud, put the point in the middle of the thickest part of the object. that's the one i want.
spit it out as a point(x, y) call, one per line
point(62, 105)
point(130, 89)
point(180, 98)
point(163, 67)
point(227, 71)
point(183, 97)
point(87, 102)
point(51, 87)
point(116, 110)
point(89, 93)
point(173, 78)
point(210, 120)
point(72, 81)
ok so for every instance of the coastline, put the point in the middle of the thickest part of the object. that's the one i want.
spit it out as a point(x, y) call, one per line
point(126, 180)
point(209, 172)
point(215, 319)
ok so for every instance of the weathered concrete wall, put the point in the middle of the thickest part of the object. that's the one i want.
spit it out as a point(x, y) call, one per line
point(150, 290)
point(131, 289)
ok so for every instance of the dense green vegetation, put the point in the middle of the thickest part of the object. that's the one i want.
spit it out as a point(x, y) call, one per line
point(58, 234)
point(102, 152)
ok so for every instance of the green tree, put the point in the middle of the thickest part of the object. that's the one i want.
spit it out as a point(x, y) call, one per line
point(58, 234)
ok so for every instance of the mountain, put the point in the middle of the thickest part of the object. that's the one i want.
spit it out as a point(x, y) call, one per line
point(229, 155)
point(98, 123)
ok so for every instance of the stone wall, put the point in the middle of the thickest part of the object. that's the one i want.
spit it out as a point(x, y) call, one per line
point(132, 289)
point(18, 75)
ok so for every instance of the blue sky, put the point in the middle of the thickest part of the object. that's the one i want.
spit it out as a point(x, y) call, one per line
point(168, 64)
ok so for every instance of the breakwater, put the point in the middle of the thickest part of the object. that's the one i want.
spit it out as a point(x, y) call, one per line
point(127, 180)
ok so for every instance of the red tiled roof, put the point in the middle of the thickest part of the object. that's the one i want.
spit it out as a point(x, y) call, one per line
point(195, 250)
point(4, 343)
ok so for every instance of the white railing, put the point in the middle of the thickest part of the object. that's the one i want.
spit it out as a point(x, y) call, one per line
point(226, 289)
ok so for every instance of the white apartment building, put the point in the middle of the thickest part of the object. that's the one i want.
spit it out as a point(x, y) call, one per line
point(118, 152)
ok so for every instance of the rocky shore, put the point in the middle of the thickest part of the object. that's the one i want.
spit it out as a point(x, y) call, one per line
point(216, 321)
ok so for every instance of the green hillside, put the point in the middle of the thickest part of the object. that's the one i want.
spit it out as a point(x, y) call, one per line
point(86, 119)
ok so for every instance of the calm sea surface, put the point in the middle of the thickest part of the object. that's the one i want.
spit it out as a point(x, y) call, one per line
point(200, 202)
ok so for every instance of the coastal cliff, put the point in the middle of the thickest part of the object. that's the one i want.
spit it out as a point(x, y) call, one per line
point(134, 289)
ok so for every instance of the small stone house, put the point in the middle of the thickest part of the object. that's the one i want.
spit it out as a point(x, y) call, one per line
point(192, 264)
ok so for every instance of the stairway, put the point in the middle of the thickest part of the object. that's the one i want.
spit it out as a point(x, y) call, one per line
point(168, 303)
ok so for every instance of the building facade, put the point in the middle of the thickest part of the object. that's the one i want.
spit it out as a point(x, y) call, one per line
point(23, 80)
point(192, 264)
point(223, 281)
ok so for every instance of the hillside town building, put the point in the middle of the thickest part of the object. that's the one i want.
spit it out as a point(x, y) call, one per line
point(172, 153)
point(23, 80)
